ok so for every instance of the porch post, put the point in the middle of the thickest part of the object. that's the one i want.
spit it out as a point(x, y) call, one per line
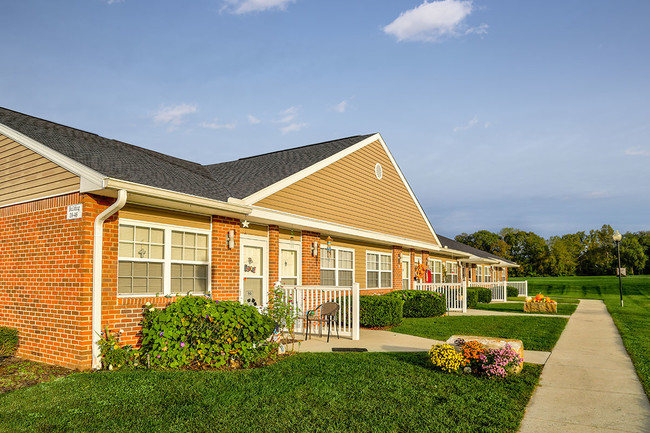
point(355, 311)
point(464, 296)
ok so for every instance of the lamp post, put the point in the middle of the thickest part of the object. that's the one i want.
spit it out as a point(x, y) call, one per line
point(617, 238)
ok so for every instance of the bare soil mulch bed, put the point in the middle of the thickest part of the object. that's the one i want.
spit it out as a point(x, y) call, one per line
point(18, 373)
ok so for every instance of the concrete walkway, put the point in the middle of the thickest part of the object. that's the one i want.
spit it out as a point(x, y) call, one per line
point(387, 341)
point(588, 384)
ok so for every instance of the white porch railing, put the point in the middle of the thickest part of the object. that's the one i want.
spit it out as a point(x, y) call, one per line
point(498, 289)
point(455, 293)
point(522, 286)
point(307, 298)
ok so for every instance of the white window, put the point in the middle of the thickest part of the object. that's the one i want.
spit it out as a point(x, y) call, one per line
point(451, 269)
point(379, 270)
point(336, 267)
point(479, 273)
point(160, 259)
point(436, 271)
point(290, 263)
point(488, 274)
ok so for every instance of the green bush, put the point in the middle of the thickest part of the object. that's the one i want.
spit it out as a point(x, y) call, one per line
point(484, 295)
point(421, 304)
point(8, 341)
point(513, 292)
point(199, 332)
point(115, 356)
point(472, 297)
point(379, 311)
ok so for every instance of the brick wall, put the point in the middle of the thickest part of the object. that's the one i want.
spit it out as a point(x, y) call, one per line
point(310, 264)
point(46, 278)
point(397, 268)
point(274, 255)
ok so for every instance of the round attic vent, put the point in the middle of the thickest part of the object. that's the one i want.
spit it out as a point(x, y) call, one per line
point(379, 172)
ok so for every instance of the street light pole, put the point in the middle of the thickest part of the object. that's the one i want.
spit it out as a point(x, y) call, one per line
point(617, 238)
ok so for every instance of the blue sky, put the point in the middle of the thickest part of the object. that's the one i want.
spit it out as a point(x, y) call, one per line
point(505, 113)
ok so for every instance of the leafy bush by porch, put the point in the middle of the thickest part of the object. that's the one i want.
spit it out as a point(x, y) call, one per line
point(8, 341)
point(196, 331)
point(421, 304)
point(513, 292)
point(379, 311)
point(472, 298)
point(484, 295)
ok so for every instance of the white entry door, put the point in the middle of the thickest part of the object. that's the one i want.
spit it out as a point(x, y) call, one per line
point(253, 273)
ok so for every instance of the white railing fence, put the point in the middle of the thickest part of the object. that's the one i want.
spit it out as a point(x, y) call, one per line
point(522, 286)
point(307, 298)
point(455, 293)
point(498, 289)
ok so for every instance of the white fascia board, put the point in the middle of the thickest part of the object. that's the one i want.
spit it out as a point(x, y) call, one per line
point(408, 188)
point(270, 216)
point(90, 179)
point(173, 196)
point(272, 189)
point(480, 260)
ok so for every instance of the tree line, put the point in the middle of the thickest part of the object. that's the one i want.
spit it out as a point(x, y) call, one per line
point(581, 253)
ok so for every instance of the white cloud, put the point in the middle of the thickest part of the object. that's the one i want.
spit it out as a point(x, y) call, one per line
point(341, 106)
point(215, 125)
point(289, 114)
point(472, 123)
point(292, 127)
point(598, 194)
point(174, 115)
point(253, 120)
point(432, 21)
point(247, 6)
point(111, 2)
point(637, 151)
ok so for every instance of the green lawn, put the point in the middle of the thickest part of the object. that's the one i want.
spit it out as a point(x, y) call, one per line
point(633, 320)
point(536, 332)
point(518, 307)
point(365, 392)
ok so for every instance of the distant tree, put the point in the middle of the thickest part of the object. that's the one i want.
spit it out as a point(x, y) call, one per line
point(565, 252)
point(644, 240)
point(633, 257)
point(483, 240)
point(598, 259)
point(530, 251)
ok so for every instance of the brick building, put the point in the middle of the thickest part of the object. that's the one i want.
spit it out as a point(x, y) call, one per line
point(92, 229)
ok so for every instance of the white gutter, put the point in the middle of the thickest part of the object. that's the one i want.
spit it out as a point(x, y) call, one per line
point(97, 273)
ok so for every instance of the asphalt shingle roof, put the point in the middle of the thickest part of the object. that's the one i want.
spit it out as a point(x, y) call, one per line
point(455, 245)
point(125, 161)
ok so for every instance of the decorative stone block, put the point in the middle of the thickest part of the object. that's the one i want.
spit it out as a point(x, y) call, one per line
point(492, 343)
point(541, 307)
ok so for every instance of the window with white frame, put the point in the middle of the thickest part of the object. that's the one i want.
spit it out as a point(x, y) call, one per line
point(336, 267)
point(159, 259)
point(451, 269)
point(479, 273)
point(488, 274)
point(379, 270)
point(436, 271)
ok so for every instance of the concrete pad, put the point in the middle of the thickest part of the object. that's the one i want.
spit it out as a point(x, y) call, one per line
point(591, 379)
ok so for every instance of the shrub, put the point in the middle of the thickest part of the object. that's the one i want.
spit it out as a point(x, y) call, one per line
point(199, 332)
point(500, 362)
point(472, 297)
point(513, 292)
point(8, 341)
point(379, 311)
point(445, 357)
point(421, 304)
point(484, 295)
point(472, 351)
point(113, 355)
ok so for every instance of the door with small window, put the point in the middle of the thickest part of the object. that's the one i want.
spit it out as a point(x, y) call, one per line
point(253, 271)
point(290, 261)
point(406, 273)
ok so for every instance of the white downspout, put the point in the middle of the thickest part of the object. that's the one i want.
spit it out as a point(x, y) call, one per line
point(98, 244)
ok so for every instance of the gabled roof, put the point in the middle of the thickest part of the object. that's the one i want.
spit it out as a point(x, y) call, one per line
point(119, 160)
point(455, 245)
point(246, 176)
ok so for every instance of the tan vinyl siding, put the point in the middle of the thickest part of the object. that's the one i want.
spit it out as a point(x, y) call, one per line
point(25, 175)
point(256, 230)
point(160, 216)
point(348, 192)
point(360, 249)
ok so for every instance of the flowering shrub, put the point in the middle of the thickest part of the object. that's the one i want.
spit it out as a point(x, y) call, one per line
point(113, 355)
point(500, 362)
point(282, 309)
point(196, 331)
point(472, 351)
point(445, 357)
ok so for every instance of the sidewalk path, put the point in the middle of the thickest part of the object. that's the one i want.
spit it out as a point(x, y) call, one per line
point(589, 383)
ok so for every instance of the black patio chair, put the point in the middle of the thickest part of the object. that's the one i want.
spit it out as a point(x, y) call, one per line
point(328, 313)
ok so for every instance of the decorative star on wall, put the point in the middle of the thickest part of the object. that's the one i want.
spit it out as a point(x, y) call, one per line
point(245, 224)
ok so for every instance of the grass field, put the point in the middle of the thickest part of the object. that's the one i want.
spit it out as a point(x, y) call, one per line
point(537, 333)
point(365, 392)
point(632, 320)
